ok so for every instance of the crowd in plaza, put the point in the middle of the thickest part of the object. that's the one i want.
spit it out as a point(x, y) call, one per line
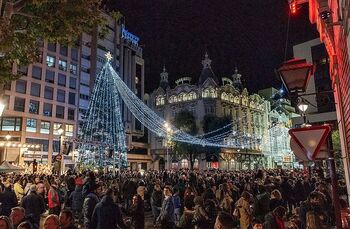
point(269, 199)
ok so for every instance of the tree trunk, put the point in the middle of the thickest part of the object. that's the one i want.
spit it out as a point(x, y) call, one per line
point(12, 7)
point(191, 160)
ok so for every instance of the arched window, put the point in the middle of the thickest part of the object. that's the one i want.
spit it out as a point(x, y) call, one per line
point(223, 96)
point(185, 97)
point(175, 99)
point(213, 93)
point(194, 95)
point(231, 98)
point(162, 100)
point(158, 101)
point(171, 99)
point(236, 100)
point(196, 164)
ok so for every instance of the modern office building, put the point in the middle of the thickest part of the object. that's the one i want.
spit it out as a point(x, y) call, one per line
point(40, 103)
point(225, 98)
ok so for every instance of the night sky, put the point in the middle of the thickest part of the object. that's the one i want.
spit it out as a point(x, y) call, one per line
point(249, 34)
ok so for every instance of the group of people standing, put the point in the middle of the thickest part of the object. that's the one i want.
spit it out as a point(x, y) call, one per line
point(271, 199)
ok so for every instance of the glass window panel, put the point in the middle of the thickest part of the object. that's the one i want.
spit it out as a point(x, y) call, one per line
point(19, 104)
point(45, 127)
point(48, 93)
point(71, 113)
point(59, 112)
point(31, 125)
point(61, 79)
point(73, 68)
point(21, 86)
point(50, 76)
point(34, 107)
point(69, 130)
point(8, 124)
point(56, 127)
point(36, 72)
point(22, 70)
point(43, 142)
point(74, 53)
point(47, 109)
point(61, 96)
point(50, 61)
point(71, 99)
point(35, 89)
point(51, 47)
point(63, 50)
point(62, 65)
point(72, 83)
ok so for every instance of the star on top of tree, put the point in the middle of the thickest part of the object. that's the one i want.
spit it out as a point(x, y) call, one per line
point(108, 56)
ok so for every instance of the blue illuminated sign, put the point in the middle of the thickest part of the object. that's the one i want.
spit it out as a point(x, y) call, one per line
point(129, 36)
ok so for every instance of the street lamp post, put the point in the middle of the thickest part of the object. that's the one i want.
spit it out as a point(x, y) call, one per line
point(7, 137)
point(60, 131)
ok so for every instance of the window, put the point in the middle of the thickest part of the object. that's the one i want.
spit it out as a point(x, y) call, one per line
point(21, 86)
point(51, 47)
point(59, 112)
point(36, 72)
point(63, 50)
point(22, 70)
point(71, 113)
point(62, 65)
point(61, 96)
point(50, 61)
point(47, 109)
point(71, 99)
point(19, 104)
point(11, 124)
point(69, 130)
point(34, 107)
point(56, 127)
point(73, 68)
point(85, 97)
point(31, 125)
point(74, 53)
point(44, 127)
point(35, 89)
point(61, 79)
point(72, 83)
point(43, 142)
point(50, 76)
point(48, 93)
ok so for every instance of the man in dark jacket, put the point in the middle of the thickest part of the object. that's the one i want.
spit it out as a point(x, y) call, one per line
point(8, 199)
point(107, 214)
point(156, 202)
point(261, 203)
point(312, 204)
point(34, 205)
point(76, 200)
point(89, 205)
point(167, 215)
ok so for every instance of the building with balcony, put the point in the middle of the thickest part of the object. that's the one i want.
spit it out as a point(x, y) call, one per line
point(224, 98)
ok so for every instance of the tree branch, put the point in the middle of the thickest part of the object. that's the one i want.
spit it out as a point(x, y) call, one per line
point(25, 15)
point(17, 6)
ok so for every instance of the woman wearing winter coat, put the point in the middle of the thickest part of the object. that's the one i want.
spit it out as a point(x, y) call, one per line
point(245, 212)
point(137, 213)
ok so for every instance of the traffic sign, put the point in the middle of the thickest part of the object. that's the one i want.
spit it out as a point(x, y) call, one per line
point(308, 142)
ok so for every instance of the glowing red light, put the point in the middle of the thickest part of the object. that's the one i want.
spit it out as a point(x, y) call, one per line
point(293, 7)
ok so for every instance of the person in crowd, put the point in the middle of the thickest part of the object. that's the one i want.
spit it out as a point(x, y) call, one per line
point(33, 205)
point(137, 213)
point(17, 216)
point(89, 183)
point(89, 205)
point(18, 188)
point(244, 210)
point(129, 190)
point(261, 203)
point(25, 225)
point(276, 199)
point(177, 205)
point(66, 219)
point(141, 190)
point(224, 221)
point(54, 199)
point(311, 211)
point(156, 202)
point(76, 201)
point(8, 198)
point(187, 218)
point(167, 216)
point(5, 222)
point(200, 217)
point(256, 224)
point(275, 219)
point(107, 214)
point(52, 222)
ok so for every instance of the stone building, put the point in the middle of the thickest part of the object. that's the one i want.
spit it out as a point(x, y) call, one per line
point(211, 96)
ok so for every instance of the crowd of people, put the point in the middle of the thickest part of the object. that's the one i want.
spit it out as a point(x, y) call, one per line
point(269, 199)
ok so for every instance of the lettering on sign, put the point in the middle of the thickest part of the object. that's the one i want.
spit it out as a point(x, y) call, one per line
point(129, 36)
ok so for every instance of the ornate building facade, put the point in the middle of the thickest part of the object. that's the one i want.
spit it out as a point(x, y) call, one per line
point(225, 98)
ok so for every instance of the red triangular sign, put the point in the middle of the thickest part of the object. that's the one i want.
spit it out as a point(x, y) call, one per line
point(310, 139)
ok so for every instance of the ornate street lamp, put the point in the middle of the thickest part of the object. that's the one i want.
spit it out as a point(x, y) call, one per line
point(295, 74)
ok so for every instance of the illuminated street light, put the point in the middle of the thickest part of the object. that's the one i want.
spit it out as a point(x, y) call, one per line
point(8, 137)
point(302, 105)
